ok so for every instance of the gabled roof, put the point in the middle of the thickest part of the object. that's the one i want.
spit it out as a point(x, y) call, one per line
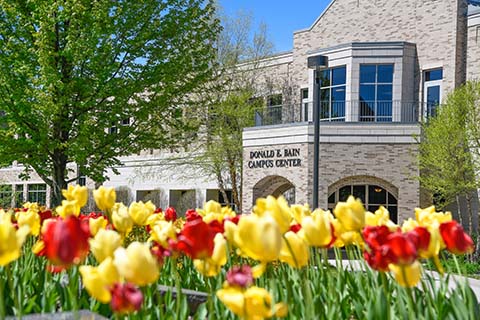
point(318, 19)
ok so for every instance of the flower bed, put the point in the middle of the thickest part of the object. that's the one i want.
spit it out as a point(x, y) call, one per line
point(271, 263)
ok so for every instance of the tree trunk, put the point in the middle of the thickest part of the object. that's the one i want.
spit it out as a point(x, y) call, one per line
point(460, 217)
point(233, 178)
point(468, 197)
point(59, 178)
point(221, 185)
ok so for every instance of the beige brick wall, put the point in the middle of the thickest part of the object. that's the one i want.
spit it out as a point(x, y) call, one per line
point(431, 25)
point(389, 165)
point(473, 53)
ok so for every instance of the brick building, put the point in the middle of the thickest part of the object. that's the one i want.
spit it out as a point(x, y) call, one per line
point(386, 66)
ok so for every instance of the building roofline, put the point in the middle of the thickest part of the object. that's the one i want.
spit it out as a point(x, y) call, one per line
point(359, 45)
point(316, 20)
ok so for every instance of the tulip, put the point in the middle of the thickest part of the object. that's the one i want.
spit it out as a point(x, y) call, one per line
point(213, 211)
point(11, 240)
point(402, 249)
point(407, 275)
point(351, 214)
point(299, 212)
point(195, 240)
point(161, 232)
point(170, 214)
point(211, 266)
point(121, 219)
point(381, 217)
point(253, 303)
point(428, 217)
point(318, 230)
point(126, 298)
point(456, 240)
point(257, 237)
point(77, 193)
point(66, 241)
point(294, 250)
point(96, 224)
point(104, 198)
point(240, 276)
point(137, 264)
point(68, 207)
point(104, 244)
point(29, 218)
point(139, 212)
point(277, 209)
point(99, 280)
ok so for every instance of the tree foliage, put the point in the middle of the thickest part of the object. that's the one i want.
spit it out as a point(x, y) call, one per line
point(449, 150)
point(231, 100)
point(72, 69)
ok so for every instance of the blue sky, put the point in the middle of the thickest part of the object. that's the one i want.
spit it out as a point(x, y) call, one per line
point(282, 17)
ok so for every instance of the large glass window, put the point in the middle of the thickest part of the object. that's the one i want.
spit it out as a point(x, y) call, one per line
point(376, 92)
point(432, 90)
point(19, 195)
point(332, 94)
point(372, 196)
point(37, 193)
point(6, 194)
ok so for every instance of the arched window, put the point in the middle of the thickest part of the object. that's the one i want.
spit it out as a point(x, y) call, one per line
point(372, 196)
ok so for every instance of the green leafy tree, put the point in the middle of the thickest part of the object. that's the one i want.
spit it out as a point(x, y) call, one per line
point(448, 156)
point(231, 101)
point(85, 81)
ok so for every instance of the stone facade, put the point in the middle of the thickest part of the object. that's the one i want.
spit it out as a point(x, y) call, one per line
point(473, 51)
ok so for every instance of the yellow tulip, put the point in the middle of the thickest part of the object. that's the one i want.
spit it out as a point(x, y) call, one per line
point(345, 237)
point(68, 208)
point(276, 208)
point(29, 218)
point(299, 212)
point(137, 264)
point(257, 237)
point(96, 224)
point(429, 216)
point(409, 225)
point(77, 193)
point(104, 244)
point(294, 250)
point(11, 240)
point(121, 219)
point(252, 304)
point(351, 214)
point(212, 210)
point(407, 275)
point(162, 231)
point(140, 212)
point(98, 280)
point(317, 229)
point(211, 266)
point(104, 198)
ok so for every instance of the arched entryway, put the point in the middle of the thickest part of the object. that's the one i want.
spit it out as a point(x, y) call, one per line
point(275, 186)
point(374, 192)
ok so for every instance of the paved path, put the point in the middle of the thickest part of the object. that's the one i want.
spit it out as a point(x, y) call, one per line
point(454, 279)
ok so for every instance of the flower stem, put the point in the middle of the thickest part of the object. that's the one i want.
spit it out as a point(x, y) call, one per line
point(178, 287)
point(18, 308)
point(411, 304)
point(2, 301)
point(308, 295)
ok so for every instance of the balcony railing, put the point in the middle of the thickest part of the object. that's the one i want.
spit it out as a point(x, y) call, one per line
point(344, 111)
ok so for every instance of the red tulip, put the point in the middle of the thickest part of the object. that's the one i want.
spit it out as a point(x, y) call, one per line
point(420, 237)
point(170, 214)
point(126, 298)
point(66, 241)
point(191, 215)
point(195, 239)
point(376, 236)
point(403, 250)
point(295, 227)
point(240, 276)
point(456, 240)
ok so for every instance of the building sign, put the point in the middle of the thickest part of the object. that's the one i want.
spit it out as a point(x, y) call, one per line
point(275, 158)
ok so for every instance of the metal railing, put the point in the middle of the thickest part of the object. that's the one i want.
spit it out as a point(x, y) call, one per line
point(343, 111)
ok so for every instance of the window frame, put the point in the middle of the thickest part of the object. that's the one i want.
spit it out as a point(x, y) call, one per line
point(330, 87)
point(375, 117)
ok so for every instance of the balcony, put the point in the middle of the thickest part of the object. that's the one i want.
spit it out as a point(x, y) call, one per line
point(345, 111)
